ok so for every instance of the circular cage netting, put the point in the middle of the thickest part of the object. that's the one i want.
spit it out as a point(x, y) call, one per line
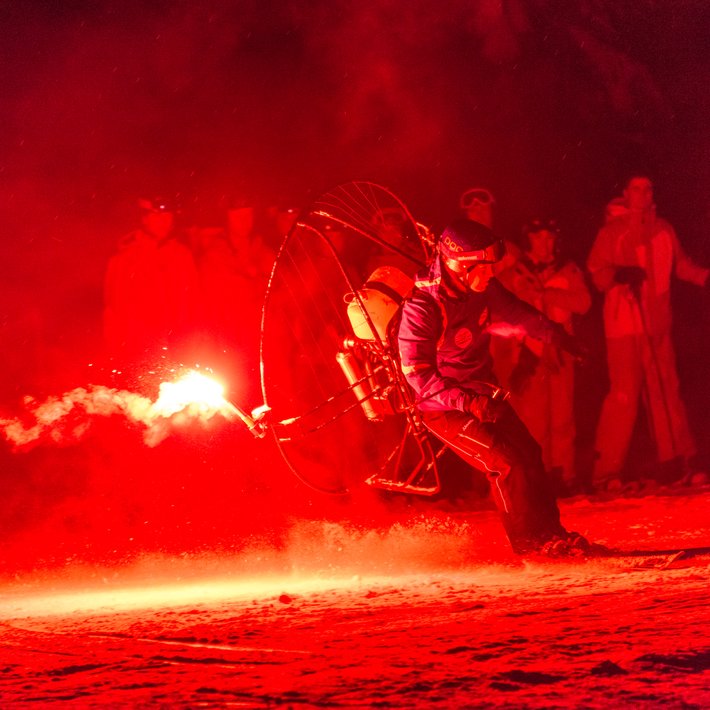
point(320, 427)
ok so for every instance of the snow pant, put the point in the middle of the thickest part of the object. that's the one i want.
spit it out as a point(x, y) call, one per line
point(511, 459)
point(546, 407)
point(636, 364)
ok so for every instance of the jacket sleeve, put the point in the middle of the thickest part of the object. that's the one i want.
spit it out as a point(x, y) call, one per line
point(685, 268)
point(600, 262)
point(511, 317)
point(575, 298)
point(420, 328)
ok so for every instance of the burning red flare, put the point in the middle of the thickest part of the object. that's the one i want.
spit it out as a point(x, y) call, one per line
point(195, 392)
point(194, 396)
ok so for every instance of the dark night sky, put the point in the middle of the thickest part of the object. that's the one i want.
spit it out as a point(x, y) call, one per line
point(549, 103)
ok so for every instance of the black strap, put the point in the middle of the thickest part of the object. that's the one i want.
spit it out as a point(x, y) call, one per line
point(386, 290)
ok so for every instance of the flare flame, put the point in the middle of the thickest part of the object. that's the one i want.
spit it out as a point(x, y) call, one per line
point(66, 418)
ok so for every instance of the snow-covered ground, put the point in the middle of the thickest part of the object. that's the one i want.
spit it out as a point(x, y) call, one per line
point(428, 611)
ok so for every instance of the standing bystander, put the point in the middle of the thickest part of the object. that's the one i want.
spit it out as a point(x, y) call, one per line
point(150, 287)
point(631, 262)
point(542, 378)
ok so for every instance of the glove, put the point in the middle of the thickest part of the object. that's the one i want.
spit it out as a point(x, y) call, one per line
point(571, 345)
point(484, 408)
point(523, 370)
point(632, 276)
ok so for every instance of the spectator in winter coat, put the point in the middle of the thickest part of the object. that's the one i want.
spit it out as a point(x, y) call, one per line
point(150, 287)
point(631, 262)
point(542, 377)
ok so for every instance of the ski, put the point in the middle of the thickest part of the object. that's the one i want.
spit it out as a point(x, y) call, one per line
point(657, 559)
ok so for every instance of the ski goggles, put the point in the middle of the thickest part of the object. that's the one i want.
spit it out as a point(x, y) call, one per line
point(463, 262)
point(475, 197)
point(542, 225)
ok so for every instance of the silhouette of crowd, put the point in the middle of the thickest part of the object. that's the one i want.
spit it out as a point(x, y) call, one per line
point(191, 283)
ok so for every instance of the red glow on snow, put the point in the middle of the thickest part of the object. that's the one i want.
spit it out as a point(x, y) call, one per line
point(166, 595)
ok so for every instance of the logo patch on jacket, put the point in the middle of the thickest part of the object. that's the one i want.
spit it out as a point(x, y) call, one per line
point(463, 337)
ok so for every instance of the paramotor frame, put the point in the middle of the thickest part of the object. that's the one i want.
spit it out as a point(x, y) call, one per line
point(338, 406)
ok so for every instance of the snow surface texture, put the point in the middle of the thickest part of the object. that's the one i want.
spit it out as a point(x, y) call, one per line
point(431, 612)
